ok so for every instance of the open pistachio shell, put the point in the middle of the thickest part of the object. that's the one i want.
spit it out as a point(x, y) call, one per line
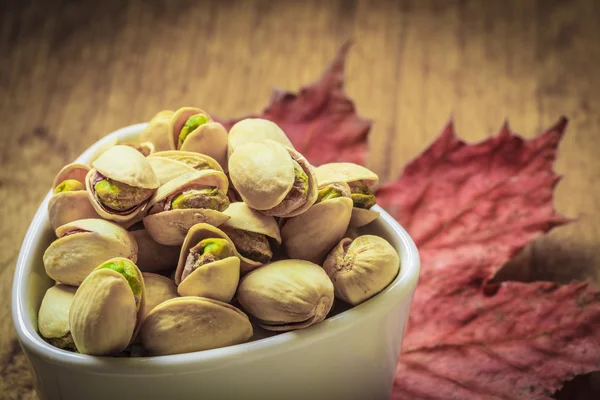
point(53, 317)
point(263, 174)
point(106, 145)
point(349, 172)
point(153, 256)
point(158, 131)
point(169, 227)
point(70, 205)
point(216, 280)
point(105, 312)
point(361, 268)
point(286, 295)
point(209, 138)
point(83, 245)
point(158, 290)
point(245, 218)
point(171, 164)
point(144, 148)
point(189, 324)
point(311, 235)
point(255, 130)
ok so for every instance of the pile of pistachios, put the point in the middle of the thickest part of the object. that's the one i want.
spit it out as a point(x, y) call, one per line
point(194, 238)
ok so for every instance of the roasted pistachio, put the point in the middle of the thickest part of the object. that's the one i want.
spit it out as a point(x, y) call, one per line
point(152, 256)
point(120, 196)
point(251, 130)
point(158, 131)
point(70, 185)
point(171, 164)
point(53, 317)
point(191, 125)
point(158, 290)
point(207, 197)
point(361, 268)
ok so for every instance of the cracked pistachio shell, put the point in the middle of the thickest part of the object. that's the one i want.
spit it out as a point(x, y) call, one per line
point(263, 175)
point(153, 256)
point(361, 268)
point(255, 130)
point(158, 290)
point(217, 280)
point(170, 227)
point(103, 316)
point(311, 235)
point(286, 295)
point(349, 172)
point(83, 245)
point(53, 317)
point(245, 218)
point(168, 165)
point(65, 207)
point(189, 324)
point(144, 148)
point(158, 131)
point(209, 138)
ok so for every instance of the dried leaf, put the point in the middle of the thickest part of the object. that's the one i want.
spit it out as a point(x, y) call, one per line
point(320, 120)
point(470, 208)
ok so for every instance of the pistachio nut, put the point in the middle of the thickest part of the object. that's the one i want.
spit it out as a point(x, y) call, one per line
point(153, 256)
point(250, 231)
point(158, 131)
point(193, 129)
point(121, 184)
point(208, 265)
point(185, 201)
point(158, 290)
point(255, 130)
point(70, 201)
point(53, 317)
point(360, 180)
point(83, 245)
point(312, 234)
point(144, 148)
point(106, 308)
point(171, 164)
point(286, 295)
point(273, 179)
point(361, 268)
point(189, 324)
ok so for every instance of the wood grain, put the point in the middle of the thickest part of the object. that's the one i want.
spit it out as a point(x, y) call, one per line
point(71, 72)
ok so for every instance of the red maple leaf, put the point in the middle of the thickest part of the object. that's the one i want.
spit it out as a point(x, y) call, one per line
point(321, 121)
point(470, 208)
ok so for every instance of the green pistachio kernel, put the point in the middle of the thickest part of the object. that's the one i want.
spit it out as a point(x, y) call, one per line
point(328, 192)
point(301, 176)
point(70, 185)
point(361, 195)
point(190, 125)
point(120, 196)
point(217, 247)
point(207, 197)
point(128, 271)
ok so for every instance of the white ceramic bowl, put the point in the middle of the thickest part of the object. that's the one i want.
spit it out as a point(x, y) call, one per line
point(351, 355)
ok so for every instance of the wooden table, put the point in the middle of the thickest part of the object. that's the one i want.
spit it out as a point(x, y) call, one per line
point(71, 72)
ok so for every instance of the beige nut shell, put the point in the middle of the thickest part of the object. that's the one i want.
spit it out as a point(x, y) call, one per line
point(311, 235)
point(255, 130)
point(166, 168)
point(170, 227)
point(286, 295)
point(263, 174)
point(361, 268)
point(127, 165)
point(153, 256)
point(70, 259)
point(158, 131)
point(103, 316)
point(217, 280)
point(53, 317)
point(158, 289)
point(189, 324)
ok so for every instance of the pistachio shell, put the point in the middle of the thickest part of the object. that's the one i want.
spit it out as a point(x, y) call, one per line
point(167, 167)
point(179, 119)
point(217, 280)
point(158, 131)
point(189, 324)
point(263, 174)
point(107, 144)
point(67, 207)
point(127, 165)
point(255, 130)
point(53, 317)
point(361, 268)
point(209, 139)
point(69, 259)
point(103, 316)
point(311, 235)
point(286, 295)
point(153, 256)
point(158, 289)
point(344, 172)
point(144, 148)
point(71, 171)
point(362, 217)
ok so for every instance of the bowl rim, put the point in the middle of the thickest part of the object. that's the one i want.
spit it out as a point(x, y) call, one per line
point(402, 287)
